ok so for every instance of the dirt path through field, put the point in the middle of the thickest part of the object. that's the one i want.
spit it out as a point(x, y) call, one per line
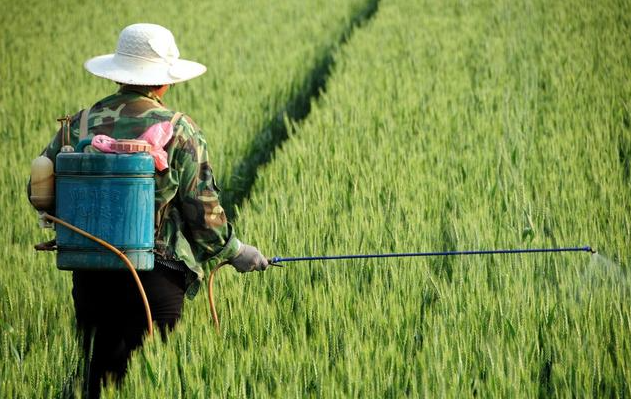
point(297, 109)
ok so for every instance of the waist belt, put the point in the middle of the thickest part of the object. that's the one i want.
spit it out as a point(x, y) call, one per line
point(172, 264)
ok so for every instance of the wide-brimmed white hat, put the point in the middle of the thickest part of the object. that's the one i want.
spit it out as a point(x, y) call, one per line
point(146, 55)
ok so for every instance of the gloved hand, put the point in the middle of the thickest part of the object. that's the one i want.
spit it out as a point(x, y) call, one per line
point(249, 259)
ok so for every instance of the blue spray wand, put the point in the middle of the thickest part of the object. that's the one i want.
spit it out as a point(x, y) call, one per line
point(275, 260)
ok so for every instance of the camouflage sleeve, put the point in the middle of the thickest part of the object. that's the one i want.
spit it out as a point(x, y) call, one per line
point(207, 228)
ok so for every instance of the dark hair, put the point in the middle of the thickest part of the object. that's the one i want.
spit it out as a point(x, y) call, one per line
point(152, 87)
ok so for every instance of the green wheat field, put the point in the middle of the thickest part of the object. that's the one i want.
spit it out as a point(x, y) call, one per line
point(356, 126)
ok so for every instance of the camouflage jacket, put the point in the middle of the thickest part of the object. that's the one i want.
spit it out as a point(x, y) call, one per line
point(190, 224)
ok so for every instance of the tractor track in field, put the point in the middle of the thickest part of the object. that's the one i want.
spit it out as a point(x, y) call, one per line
point(297, 109)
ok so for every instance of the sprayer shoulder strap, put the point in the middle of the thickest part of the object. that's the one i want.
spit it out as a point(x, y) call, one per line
point(176, 117)
point(83, 124)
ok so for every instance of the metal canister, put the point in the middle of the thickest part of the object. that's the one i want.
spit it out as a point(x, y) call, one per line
point(111, 196)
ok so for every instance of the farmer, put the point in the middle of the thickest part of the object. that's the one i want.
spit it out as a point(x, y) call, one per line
point(190, 224)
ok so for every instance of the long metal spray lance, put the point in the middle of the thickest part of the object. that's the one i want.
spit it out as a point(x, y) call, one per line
point(275, 261)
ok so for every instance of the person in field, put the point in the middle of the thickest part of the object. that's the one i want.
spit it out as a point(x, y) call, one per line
point(190, 224)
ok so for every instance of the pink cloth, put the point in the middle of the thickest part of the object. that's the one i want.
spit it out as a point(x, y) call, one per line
point(157, 135)
point(103, 143)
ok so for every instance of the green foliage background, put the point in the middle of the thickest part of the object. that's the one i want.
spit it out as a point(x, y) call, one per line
point(442, 126)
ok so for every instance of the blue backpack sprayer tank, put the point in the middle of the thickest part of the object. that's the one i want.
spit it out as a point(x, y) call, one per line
point(112, 197)
point(104, 209)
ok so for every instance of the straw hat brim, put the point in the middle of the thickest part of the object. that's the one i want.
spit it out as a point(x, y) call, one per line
point(137, 71)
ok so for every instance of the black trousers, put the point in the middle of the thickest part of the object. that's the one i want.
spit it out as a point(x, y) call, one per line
point(111, 317)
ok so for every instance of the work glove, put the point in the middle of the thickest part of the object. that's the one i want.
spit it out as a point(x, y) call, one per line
point(249, 259)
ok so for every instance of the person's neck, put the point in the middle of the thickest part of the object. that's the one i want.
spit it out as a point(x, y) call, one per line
point(148, 91)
